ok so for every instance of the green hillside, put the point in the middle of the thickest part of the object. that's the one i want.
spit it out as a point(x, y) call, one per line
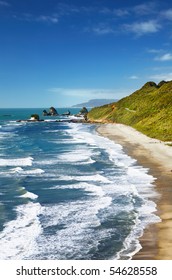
point(148, 109)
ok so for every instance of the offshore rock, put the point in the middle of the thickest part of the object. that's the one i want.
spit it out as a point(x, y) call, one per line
point(52, 112)
point(45, 113)
point(83, 111)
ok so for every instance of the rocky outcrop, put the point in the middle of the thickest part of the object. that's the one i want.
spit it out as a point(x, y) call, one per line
point(34, 117)
point(45, 113)
point(52, 112)
point(83, 111)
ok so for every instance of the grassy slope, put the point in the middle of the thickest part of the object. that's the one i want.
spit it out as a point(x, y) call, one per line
point(149, 110)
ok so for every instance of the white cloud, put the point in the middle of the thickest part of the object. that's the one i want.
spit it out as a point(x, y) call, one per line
point(165, 57)
point(65, 9)
point(162, 76)
point(103, 30)
point(89, 93)
point(138, 10)
point(114, 12)
point(145, 9)
point(51, 19)
point(162, 68)
point(133, 77)
point(143, 28)
point(167, 14)
point(121, 12)
point(154, 50)
point(41, 18)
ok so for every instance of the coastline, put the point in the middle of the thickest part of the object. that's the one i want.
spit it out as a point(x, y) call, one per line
point(154, 154)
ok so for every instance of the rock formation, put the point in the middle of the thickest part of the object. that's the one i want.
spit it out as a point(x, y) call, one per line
point(83, 111)
point(34, 117)
point(52, 112)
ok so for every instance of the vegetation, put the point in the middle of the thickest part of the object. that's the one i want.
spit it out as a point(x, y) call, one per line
point(149, 110)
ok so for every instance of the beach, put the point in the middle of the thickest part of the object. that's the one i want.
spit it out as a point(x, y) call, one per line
point(81, 195)
point(156, 155)
point(57, 195)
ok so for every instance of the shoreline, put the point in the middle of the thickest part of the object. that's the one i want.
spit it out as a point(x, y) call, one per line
point(154, 154)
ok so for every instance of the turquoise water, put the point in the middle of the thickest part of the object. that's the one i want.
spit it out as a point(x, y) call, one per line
point(68, 193)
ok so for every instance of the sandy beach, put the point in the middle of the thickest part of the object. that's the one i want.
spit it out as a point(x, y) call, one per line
point(156, 155)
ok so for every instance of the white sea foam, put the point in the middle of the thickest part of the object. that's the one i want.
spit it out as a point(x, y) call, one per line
point(21, 171)
point(79, 155)
point(90, 188)
point(29, 194)
point(14, 123)
point(78, 134)
point(47, 161)
point(48, 120)
point(78, 220)
point(16, 170)
point(135, 182)
point(18, 238)
point(16, 162)
point(10, 127)
point(95, 177)
point(114, 150)
point(144, 218)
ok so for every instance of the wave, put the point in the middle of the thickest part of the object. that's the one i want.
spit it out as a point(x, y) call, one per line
point(16, 162)
point(21, 171)
point(86, 178)
point(77, 156)
point(18, 238)
point(78, 134)
point(77, 222)
point(28, 194)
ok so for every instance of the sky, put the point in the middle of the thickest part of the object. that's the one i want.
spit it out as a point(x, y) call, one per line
point(60, 53)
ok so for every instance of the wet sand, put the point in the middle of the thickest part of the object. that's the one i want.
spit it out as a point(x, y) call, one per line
point(156, 155)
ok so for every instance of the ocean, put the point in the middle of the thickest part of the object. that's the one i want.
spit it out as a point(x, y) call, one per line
point(67, 193)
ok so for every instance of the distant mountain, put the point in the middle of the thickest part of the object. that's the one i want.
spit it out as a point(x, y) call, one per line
point(95, 103)
point(148, 109)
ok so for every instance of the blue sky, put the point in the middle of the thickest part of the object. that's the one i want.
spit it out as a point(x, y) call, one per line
point(59, 53)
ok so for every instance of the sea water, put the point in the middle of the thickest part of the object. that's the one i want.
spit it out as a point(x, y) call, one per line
point(68, 193)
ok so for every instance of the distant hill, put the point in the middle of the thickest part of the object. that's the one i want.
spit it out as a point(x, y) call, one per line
point(148, 109)
point(95, 102)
